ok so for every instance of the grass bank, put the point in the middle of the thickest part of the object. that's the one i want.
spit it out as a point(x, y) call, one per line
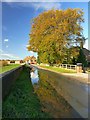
point(8, 67)
point(22, 102)
point(56, 69)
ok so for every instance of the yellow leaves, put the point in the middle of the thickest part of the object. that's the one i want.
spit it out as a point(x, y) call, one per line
point(54, 26)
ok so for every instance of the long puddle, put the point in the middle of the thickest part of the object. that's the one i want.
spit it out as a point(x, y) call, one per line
point(45, 84)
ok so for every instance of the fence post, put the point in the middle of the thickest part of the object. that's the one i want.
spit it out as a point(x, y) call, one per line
point(66, 66)
point(75, 67)
point(79, 67)
point(62, 66)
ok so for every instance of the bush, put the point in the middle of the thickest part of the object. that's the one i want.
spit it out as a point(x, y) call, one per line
point(82, 58)
point(12, 61)
point(88, 69)
point(3, 63)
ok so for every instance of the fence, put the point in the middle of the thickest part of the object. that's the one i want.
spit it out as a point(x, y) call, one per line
point(8, 79)
point(68, 66)
point(77, 68)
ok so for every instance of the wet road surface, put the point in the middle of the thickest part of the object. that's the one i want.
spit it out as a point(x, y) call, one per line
point(60, 96)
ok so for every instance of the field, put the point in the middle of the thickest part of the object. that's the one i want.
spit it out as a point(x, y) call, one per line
point(8, 67)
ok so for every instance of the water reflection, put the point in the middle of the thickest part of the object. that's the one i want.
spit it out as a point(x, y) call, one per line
point(51, 101)
point(34, 76)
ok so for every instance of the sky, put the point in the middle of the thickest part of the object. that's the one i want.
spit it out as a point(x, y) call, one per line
point(16, 25)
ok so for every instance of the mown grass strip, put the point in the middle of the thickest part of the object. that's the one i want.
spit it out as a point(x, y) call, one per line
point(8, 67)
point(22, 102)
point(57, 69)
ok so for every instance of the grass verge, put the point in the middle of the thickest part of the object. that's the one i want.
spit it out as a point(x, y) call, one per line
point(8, 67)
point(56, 69)
point(22, 102)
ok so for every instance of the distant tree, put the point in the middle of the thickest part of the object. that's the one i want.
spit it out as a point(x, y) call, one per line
point(12, 61)
point(3, 63)
point(54, 32)
point(82, 40)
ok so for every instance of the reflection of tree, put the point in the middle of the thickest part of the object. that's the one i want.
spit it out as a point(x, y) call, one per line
point(51, 101)
point(32, 69)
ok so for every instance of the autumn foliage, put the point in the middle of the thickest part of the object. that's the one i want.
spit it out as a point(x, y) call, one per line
point(55, 32)
point(3, 63)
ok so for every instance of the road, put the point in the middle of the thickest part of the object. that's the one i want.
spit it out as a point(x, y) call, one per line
point(74, 91)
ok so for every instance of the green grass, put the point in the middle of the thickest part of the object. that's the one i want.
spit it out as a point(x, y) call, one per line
point(22, 102)
point(8, 67)
point(61, 70)
point(88, 70)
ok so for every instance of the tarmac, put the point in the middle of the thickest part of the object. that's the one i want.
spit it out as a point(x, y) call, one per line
point(75, 89)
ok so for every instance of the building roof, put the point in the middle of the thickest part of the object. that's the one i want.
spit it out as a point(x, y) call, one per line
point(86, 53)
point(30, 58)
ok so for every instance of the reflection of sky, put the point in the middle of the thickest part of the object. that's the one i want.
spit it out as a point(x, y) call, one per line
point(87, 88)
point(34, 76)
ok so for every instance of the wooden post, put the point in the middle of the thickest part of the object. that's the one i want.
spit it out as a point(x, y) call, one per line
point(79, 68)
point(62, 65)
point(66, 66)
point(75, 67)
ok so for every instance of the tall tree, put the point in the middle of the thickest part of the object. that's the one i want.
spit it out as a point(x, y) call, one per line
point(55, 31)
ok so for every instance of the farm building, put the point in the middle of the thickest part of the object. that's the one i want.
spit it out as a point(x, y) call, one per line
point(30, 60)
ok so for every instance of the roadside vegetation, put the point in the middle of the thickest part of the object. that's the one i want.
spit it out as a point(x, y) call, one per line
point(22, 102)
point(3, 63)
point(60, 70)
point(8, 67)
point(88, 70)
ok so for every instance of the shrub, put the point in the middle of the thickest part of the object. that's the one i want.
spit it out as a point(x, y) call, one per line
point(3, 63)
point(82, 58)
point(12, 61)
